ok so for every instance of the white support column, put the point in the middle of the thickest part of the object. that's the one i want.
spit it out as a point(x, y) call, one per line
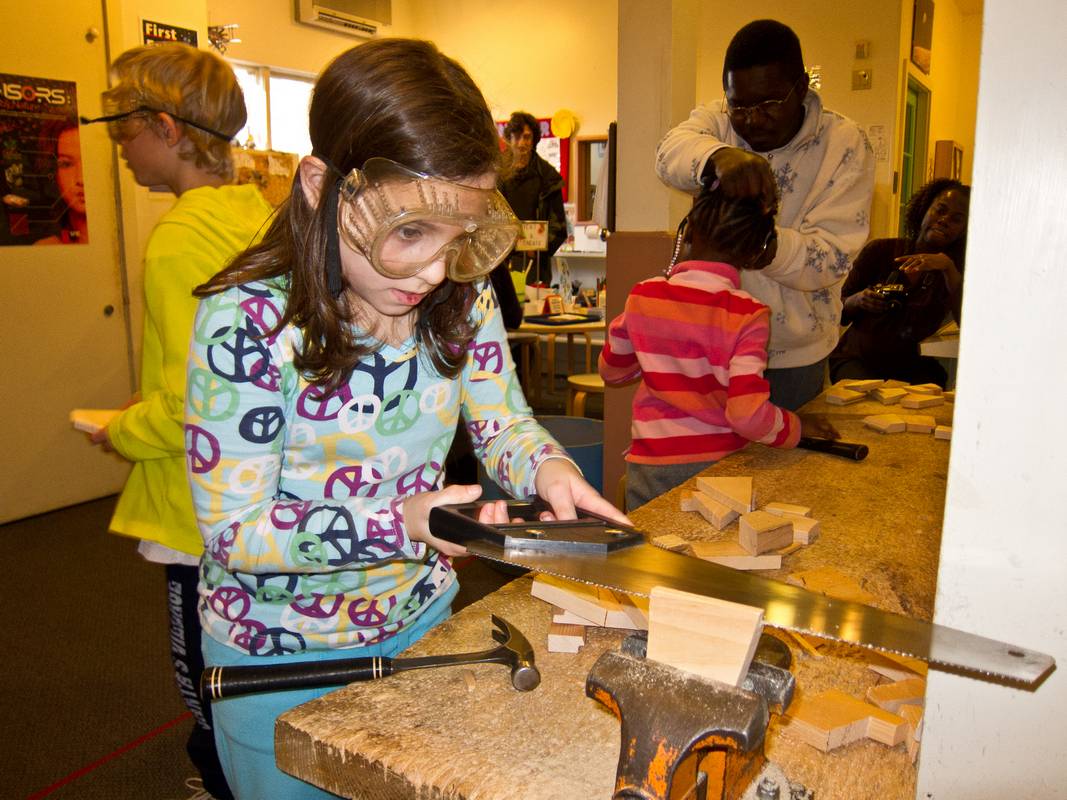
point(1004, 549)
point(657, 85)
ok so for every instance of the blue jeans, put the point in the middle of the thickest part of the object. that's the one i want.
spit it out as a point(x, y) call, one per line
point(792, 387)
point(244, 725)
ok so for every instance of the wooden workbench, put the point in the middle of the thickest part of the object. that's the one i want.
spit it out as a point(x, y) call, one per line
point(453, 733)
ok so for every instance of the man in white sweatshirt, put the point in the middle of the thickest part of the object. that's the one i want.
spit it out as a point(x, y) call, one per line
point(771, 135)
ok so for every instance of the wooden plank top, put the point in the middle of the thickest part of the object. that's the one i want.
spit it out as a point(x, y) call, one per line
point(433, 734)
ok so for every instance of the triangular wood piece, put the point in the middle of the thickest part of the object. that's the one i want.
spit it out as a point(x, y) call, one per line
point(704, 635)
point(888, 396)
point(760, 532)
point(731, 554)
point(920, 423)
point(891, 696)
point(838, 396)
point(735, 493)
point(886, 423)
point(716, 513)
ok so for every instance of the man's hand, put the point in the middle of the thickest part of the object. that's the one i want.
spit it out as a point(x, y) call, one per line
point(868, 301)
point(745, 174)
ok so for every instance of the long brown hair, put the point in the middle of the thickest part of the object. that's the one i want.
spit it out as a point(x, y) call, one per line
point(400, 99)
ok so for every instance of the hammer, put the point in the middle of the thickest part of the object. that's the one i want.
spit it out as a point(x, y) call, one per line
point(514, 651)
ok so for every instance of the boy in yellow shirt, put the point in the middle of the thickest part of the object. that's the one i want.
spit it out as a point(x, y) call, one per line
point(173, 111)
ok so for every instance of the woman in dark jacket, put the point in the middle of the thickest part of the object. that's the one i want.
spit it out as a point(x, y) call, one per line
point(900, 291)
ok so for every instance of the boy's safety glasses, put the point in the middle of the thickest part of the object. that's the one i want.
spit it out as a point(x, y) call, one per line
point(403, 221)
point(129, 124)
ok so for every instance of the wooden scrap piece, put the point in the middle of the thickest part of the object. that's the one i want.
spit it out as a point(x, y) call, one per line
point(861, 385)
point(887, 395)
point(735, 493)
point(913, 715)
point(925, 388)
point(828, 581)
point(687, 503)
point(922, 401)
point(564, 617)
point(839, 396)
point(671, 541)
point(950, 396)
point(600, 606)
point(787, 510)
point(920, 423)
point(92, 420)
point(894, 667)
point(893, 383)
point(891, 696)
point(704, 635)
point(805, 530)
point(760, 532)
point(731, 554)
point(565, 638)
point(832, 718)
point(886, 423)
point(802, 642)
point(716, 513)
point(943, 432)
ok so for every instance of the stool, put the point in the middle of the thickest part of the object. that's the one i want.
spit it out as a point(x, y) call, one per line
point(578, 387)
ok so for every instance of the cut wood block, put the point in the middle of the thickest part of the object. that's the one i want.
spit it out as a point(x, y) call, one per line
point(688, 501)
point(950, 396)
point(670, 541)
point(865, 386)
point(924, 388)
point(564, 617)
point(565, 638)
point(943, 432)
point(891, 696)
point(735, 493)
point(828, 581)
point(894, 667)
point(92, 420)
point(893, 383)
point(922, 401)
point(787, 510)
point(913, 715)
point(886, 423)
point(832, 718)
point(600, 606)
point(889, 396)
point(805, 530)
point(838, 396)
point(789, 549)
point(704, 635)
point(760, 532)
point(716, 513)
point(731, 554)
point(920, 423)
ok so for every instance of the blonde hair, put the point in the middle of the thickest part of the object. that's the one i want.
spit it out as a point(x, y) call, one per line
point(184, 82)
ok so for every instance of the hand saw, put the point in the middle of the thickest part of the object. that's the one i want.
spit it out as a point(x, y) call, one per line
point(598, 551)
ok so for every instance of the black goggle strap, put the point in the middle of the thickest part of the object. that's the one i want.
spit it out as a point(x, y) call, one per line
point(335, 283)
point(147, 110)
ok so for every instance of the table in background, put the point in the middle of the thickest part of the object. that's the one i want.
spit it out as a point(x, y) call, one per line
point(423, 734)
point(550, 332)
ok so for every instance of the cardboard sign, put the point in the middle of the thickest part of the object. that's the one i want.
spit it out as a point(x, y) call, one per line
point(532, 236)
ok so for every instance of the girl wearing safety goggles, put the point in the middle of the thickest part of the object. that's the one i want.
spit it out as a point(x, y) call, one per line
point(328, 369)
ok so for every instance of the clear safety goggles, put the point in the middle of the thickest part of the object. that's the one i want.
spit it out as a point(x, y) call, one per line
point(403, 221)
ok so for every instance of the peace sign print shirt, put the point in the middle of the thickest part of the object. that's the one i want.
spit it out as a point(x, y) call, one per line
point(298, 495)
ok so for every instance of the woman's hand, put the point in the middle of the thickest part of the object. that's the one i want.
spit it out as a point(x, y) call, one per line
point(560, 485)
point(918, 263)
point(417, 515)
point(867, 301)
point(817, 426)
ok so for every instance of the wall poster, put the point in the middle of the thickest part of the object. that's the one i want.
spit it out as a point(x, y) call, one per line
point(42, 196)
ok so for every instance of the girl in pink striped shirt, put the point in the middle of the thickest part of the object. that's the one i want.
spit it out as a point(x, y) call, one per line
point(698, 344)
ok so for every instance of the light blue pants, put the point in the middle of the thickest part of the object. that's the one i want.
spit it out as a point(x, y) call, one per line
point(244, 725)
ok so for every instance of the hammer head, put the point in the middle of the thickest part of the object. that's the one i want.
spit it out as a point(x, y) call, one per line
point(520, 654)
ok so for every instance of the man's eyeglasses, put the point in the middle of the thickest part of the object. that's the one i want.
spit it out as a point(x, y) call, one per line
point(768, 109)
point(127, 125)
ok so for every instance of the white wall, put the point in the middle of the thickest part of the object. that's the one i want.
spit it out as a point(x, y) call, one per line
point(1004, 549)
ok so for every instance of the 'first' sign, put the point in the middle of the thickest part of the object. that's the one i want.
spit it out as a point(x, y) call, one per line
point(159, 33)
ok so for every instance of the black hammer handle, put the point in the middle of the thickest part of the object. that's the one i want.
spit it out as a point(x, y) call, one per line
point(219, 682)
point(857, 452)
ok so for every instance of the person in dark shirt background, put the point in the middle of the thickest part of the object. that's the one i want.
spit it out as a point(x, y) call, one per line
point(886, 325)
